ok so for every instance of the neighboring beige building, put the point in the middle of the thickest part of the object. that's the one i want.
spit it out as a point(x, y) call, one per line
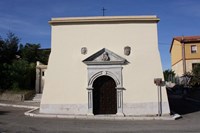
point(103, 65)
point(185, 53)
point(40, 77)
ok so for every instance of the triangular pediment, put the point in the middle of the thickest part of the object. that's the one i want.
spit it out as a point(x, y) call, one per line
point(105, 57)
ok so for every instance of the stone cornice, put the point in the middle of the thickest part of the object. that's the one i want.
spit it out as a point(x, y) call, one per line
point(104, 19)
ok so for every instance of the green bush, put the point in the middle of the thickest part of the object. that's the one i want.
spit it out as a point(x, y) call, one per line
point(21, 73)
point(17, 63)
point(169, 75)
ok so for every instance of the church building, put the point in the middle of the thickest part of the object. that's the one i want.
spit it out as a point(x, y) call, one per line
point(103, 65)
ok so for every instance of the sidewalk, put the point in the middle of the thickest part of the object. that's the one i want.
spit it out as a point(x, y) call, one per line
point(34, 112)
point(25, 104)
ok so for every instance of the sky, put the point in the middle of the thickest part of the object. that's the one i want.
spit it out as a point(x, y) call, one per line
point(28, 19)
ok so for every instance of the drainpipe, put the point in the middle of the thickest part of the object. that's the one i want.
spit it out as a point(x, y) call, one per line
point(183, 55)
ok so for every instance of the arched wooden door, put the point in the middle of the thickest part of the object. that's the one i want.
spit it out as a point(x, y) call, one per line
point(104, 96)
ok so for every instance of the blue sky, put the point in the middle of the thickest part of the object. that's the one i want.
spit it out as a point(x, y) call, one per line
point(28, 19)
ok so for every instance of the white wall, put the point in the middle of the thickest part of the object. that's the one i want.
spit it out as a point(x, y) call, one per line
point(66, 77)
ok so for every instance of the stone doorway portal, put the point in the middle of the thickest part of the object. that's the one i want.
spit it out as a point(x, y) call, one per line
point(104, 96)
point(105, 82)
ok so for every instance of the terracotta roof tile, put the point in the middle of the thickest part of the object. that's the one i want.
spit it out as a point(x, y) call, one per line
point(187, 38)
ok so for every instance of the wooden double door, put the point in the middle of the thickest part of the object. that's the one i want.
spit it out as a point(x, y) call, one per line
point(104, 96)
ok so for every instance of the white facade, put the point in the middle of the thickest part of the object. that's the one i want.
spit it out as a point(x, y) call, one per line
point(67, 87)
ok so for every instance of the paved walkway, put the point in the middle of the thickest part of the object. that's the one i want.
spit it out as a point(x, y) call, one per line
point(34, 112)
point(25, 104)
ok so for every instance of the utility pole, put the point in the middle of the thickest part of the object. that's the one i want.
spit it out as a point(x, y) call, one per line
point(183, 54)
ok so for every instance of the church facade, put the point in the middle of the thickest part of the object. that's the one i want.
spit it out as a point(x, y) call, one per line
point(103, 65)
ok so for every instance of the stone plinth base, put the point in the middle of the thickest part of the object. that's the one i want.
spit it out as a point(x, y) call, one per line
point(77, 109)
point(129, 109)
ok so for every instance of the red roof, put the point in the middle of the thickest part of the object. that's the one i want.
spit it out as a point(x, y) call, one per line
point(185, 39)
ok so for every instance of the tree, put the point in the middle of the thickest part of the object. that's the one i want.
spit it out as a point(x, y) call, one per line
point(21, 72)
point(8, 48)
point(33, 53)
point(5, 80)
point(195, 81)
point(44, 55)
point(192, 79)
point(169, 75)
point(29, 52)
point(18, 62)
point(8, 51)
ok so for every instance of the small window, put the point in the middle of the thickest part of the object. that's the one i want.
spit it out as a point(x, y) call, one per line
point(43, 73)
point(193, 48)
point(194, 65)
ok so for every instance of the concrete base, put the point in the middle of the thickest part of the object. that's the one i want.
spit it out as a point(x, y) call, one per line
point(35, 113)
point(120, 114)
point(129, 109)
point(140, 109)
point(76, 109)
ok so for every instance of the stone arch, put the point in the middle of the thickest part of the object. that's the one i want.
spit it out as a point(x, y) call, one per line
point(105, 63)
point(103, 73)
point(113, 72)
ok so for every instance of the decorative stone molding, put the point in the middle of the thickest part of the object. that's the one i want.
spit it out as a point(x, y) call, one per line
point(127, 50)
point(105, 63)
point(105, 57)
point(83, 50)
point(93, 77)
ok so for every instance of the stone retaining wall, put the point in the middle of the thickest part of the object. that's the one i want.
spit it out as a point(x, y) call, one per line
point(7, 96)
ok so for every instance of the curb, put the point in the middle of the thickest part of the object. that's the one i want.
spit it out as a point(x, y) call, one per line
point(32, 113)
point(86, 117)
point(18, 106)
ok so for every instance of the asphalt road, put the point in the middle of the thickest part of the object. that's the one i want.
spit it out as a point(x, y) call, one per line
point(12, 120)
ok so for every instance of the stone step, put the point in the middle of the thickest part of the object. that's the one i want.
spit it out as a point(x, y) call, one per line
point(37, 97)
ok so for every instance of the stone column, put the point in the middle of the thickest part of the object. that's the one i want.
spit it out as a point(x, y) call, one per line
point(120, 100)
point(90, 101)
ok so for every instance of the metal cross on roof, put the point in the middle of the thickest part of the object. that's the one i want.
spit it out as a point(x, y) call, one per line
point(103, 9)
